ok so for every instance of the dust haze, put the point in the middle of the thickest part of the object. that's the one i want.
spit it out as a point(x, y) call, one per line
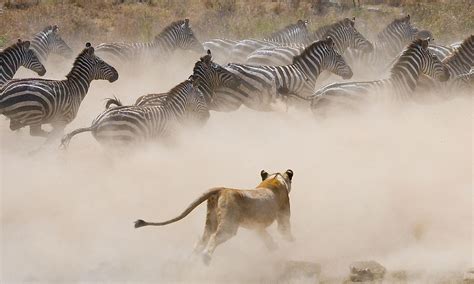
point(392, 185)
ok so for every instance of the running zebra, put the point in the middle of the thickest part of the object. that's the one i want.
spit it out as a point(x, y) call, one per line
point(291, 34)
point(177, 35)
point(458, 63)
point(34, 102)
point(15, 56)
point(415, 60)
point(187, 103)
point(389, 43)
point(221, 48)
point(49, 41)
point(263, 85)
point(343, 33)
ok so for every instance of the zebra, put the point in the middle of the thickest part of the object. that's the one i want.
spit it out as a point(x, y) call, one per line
point(177, 35)
point(342, 32)
point(16, 55)
point(415, 60)
point(188, 102)
point(458, 63)
point(388, 44)
point(49, 41)
point(34, 102)
point(263, 85)
point(221, 48)
point(294, 33)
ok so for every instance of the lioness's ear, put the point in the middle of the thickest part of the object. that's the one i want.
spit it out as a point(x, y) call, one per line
point(264, 175)
point(289, 173)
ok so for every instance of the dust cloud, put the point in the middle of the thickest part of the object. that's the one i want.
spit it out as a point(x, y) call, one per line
point(393, 185)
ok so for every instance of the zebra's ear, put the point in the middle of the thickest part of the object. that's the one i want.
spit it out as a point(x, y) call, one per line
point(329, 41)
point(26, 44)
point(186, 23)
point(19, 40)
point(424, 43)
point(263, 174)
point(55, 29)
point(209, 52)
point(407, 18)
point(90, 49)
point(289, 173)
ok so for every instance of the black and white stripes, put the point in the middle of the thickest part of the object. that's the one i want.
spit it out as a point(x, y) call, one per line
point(263, 85)
point(49, 41)
point(33, 102)
point(415, 60)
point(151, 118)
point(177, 35)
point(15, 56)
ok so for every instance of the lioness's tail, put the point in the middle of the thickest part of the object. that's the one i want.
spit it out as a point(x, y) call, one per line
point(140, 223)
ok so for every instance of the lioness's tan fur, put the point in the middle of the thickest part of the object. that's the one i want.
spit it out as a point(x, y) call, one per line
point(228, 208)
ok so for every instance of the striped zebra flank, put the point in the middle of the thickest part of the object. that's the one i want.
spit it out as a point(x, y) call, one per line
point(263, 86)
point(415, 60)
point(177, 35)
point(221, 48)
point(291, 34)
point(343, 33)
point(17, 55)
point(34, 102)
point(49, 41)
point(151, 119)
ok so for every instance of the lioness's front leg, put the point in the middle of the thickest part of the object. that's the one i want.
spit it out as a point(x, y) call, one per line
point(267, 239)
point(284, 226)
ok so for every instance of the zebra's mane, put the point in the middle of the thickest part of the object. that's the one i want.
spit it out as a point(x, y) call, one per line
point(287, 29)
point(322, 31)
point(315, 45)
point(466, 46)
point(11, 47)
point(176, 90)
point(407, 53)
point(78, 58)
point(174, 25)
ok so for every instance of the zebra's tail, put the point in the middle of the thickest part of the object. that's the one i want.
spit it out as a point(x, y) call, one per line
point(140, 223)
point(67, 138)
point(112, 101)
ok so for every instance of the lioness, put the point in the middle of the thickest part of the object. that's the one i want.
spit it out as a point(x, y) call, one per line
point(227, 209)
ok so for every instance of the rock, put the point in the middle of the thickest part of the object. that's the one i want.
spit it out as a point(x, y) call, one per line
point(292, 270)
point(366, 271)
point(469, 276)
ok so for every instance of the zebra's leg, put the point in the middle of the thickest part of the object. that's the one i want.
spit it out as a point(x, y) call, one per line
point(267, 239)
point(58, 131)
point(211, 225)
point(35, 130)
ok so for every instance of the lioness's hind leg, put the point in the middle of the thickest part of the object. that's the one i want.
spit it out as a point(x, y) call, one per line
point(226, 229)
point(211, 225)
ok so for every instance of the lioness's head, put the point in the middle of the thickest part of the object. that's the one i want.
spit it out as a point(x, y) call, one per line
point(282, 178)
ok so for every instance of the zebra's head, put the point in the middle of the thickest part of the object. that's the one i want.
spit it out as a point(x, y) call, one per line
point(56, 43)
point(430, 63)
point(98, 68)
point(181, 36)
point(208, 76)
point(358, 41)
point(417, 59)
point(30, 60)
point(334, 62)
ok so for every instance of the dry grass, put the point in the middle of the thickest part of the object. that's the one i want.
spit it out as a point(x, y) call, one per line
point(102, 21)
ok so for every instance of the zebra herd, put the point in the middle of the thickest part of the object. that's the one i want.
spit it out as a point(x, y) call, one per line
point(284, 67)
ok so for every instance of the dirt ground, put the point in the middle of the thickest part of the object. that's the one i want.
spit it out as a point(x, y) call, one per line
point(393, 185)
